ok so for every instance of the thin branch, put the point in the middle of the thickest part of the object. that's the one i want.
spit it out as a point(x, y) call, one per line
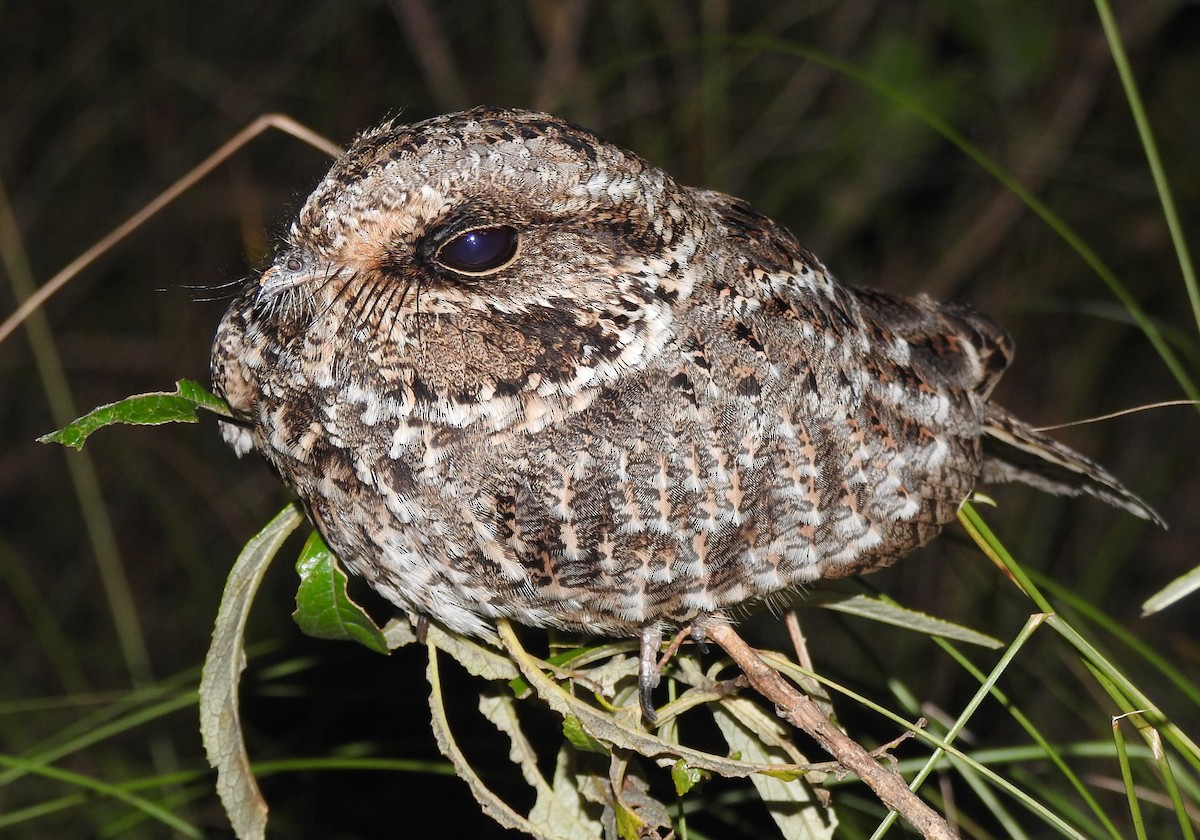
point(278, 121)
point(802, 712)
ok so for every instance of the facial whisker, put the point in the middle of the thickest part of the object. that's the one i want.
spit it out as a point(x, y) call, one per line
point(228, 290)
point(331, 276)
point(362, 307)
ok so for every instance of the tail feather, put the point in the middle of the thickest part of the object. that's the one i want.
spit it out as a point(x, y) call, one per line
point(1012, 451)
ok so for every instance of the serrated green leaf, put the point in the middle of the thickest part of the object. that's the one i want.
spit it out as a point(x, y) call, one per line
point(323, 609)
point(142, 410)
point(220, 723)
point(686, 777)
point(919, 622)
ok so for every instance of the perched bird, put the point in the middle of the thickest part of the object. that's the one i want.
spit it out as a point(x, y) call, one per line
point(513, 370)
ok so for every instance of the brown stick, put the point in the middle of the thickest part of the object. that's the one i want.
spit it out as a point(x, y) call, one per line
point(802, 712)
point(280, 122)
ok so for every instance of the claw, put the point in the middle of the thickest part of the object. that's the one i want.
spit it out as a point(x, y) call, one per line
point(648, 674)
point(699, 637)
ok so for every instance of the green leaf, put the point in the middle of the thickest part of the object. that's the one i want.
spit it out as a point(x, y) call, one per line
point(323, 609)
point(629, 824)
point(882, 611)
point(686, 776)
point(579, 739)
point(220, 723)
point(143, 410)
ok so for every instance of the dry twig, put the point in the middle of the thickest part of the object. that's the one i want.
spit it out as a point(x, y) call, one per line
point(800, 711)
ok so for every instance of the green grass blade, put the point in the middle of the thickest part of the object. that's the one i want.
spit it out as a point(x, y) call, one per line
point(1135, 810)
point(1114, 628)
point(985, 689)
point(1150, 148)
point(102, 788)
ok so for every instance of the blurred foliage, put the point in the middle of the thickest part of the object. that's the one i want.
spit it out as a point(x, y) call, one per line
point(102, 106)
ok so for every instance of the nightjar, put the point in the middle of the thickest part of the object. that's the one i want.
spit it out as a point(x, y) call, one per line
point(513, 370)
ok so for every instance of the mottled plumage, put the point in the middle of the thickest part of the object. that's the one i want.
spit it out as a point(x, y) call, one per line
point(514, 370)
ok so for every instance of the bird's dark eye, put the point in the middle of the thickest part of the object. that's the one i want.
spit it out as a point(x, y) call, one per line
point(480, 251)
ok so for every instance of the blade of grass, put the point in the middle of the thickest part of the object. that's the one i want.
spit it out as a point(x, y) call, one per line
point(1135, 810)
point(91, 736)
point(1105, 622)
point(1153, 738)
point(280, 122)
point(987, 687)
point(1168, 775)
point(993, 168)
point(1128, 696)
point(1031, 803)
point(1047, 750)
point(1120, 687)
point(992, 803)
point(121, 606)
point(1150, 148)
point(101, 788)
point(991, 546)
point(42, 809)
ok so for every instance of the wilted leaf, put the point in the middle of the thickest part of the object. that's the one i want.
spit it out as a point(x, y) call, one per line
point(622, 729)
point(323, 609)
point(881, 611)
point(556, 817)
point(220, 724)
point(769, 731)
point(143, 410)
point(574, 788)
point(478, 658)
point(492, 805)
point(636, 814)
point(792, 804)
point(399, 632)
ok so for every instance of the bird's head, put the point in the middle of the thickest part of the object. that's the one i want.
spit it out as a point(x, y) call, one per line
point(482, 253)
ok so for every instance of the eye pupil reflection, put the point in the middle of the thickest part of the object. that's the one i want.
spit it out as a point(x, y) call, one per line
point(480, 250)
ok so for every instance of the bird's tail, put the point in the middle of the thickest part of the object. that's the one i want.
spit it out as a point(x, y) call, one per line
point(1013, 451)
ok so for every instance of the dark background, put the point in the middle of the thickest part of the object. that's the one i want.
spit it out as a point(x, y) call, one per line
point(102, 106)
